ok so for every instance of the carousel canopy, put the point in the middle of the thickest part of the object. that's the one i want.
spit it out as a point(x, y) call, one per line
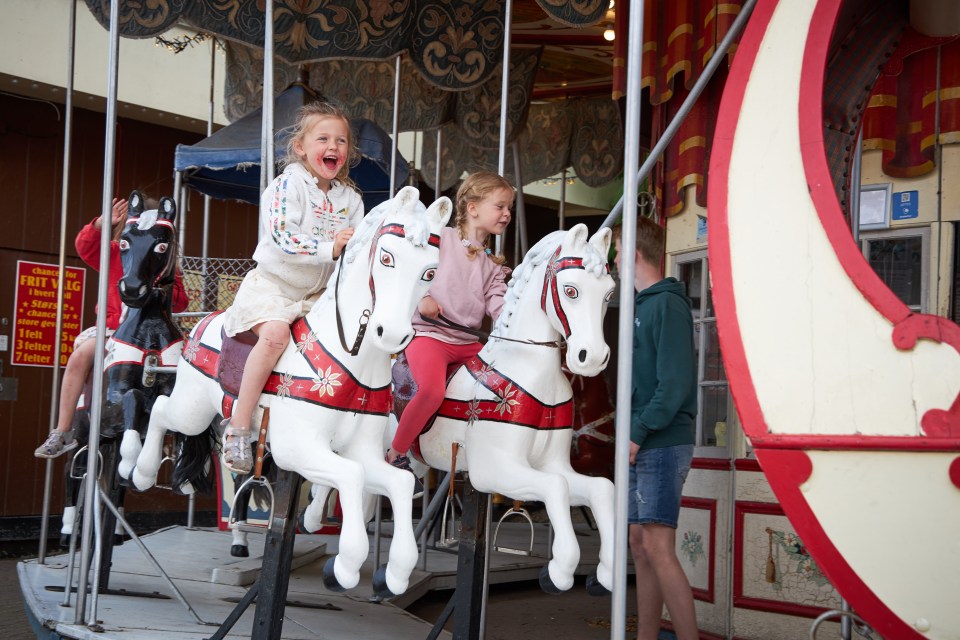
point(227, 164)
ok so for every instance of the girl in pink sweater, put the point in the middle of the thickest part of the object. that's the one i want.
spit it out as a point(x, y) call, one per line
point(469, 285)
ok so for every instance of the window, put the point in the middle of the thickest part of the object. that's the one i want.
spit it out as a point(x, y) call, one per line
point(901, 259)
point(712, 393)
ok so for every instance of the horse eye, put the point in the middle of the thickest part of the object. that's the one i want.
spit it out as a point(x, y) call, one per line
point(386, 258)
point(161, 248)
point(124, 245)
point(570, 291)
point(429, 274)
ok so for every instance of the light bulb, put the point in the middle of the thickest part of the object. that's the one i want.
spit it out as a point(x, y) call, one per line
point(609, 35)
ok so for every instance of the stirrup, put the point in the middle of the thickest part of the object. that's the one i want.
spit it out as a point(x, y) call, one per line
point(448, 537)
point(516, 510)
point(237, 454)
point(257, 480)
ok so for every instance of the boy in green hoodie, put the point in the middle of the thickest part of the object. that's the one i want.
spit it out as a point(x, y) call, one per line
point(664, 406)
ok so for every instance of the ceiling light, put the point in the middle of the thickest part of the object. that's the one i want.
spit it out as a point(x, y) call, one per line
point(609, 35)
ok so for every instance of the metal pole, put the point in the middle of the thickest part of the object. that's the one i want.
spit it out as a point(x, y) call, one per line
point(563, 198)
point(436, 187)
point(109, 158)
point(58, 332)
point(698, 87)
point(267, 159)
point(855, 173)
point(396, 126)
point(504, 100)
point(206, 199)
point(618, 613)
point(521, 210)
point(178, 201)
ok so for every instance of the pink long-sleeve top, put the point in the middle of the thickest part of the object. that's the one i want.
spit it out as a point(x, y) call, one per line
point(467, 289)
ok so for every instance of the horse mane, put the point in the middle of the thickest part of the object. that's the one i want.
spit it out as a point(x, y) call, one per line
point(593, 262)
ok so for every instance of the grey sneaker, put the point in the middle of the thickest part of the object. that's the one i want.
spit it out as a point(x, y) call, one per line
point(57, 443)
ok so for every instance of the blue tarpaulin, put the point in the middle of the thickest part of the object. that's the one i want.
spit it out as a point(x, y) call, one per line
point(226, 165)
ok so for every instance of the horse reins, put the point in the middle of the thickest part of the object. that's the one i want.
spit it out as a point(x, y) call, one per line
point(441, 321)
point(391, 229)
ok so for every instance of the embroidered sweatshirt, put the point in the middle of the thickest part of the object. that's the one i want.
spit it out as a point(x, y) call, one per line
point(466, 289)
point(298, 223)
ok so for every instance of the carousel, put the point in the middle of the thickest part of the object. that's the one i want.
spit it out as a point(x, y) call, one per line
point(846, 398)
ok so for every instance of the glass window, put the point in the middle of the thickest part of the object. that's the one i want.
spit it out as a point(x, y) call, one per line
point(901, 260)
point(712, 397)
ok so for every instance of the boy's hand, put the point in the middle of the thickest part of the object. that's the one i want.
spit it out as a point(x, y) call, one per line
point(118, 214)
point(634, 450)
point(340, 241)
point(429, 308)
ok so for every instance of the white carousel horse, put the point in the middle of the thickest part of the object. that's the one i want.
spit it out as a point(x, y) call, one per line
point(512, 405)
point(322, 398)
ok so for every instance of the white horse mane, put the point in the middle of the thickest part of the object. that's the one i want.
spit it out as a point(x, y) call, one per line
point(543, 250)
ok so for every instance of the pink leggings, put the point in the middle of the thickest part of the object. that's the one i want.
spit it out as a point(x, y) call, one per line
point(429, 360)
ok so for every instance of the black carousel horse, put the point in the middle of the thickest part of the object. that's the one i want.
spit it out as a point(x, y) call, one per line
point(142, 354)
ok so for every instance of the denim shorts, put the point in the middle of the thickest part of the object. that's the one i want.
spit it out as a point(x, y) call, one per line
point(656, 484)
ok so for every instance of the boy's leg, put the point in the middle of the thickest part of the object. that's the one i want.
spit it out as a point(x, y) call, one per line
point(75, 374)
point(656, 488)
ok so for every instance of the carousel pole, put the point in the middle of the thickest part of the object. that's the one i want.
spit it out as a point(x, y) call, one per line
point(521, 209)
point(93, 443)
point(561, 213)
point(438, 174)
point(718, 56)
point(58, 340)
point(267, 159)
point(396, 129)
point(504, 102)
point(618, 613)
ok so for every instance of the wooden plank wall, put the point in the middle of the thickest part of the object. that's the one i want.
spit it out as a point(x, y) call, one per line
point(31, 159)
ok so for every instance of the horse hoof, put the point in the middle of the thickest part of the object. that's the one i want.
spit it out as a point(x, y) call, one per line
point(240, 551)
point(117, 539)
point(64, 540)
point(547, 584)
point(329, 577)
point(594, 588)
point(380, 588)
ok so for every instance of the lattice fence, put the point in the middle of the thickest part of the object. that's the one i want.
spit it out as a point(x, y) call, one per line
point(211, 285)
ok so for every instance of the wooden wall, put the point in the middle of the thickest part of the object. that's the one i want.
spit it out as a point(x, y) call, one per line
point(31, 161)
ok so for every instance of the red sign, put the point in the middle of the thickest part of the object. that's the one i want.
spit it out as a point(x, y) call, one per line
point(35, 313)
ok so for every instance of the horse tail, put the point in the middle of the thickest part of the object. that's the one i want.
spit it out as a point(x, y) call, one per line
point(194, 460)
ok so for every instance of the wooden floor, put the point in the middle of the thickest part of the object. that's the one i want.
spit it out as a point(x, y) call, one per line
point(211, 581)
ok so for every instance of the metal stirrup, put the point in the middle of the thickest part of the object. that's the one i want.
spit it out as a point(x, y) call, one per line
point(256, 480)
point(516, 510)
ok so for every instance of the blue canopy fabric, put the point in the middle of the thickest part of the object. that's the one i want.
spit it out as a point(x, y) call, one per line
point(226, 165)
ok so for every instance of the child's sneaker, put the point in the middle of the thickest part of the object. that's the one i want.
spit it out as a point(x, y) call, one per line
point(403, 462)
point(57, 443)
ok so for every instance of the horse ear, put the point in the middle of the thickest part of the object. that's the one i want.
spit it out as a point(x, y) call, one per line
point(440, 211)
point(601, 241)
point(135, 203)
point(167, 209)
point(577, 235)
point(407, 196)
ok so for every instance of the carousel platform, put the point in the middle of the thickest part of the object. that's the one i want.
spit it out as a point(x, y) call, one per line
point(140, 605)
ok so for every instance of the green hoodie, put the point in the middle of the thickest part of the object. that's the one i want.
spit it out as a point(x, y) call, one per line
point(664, 396)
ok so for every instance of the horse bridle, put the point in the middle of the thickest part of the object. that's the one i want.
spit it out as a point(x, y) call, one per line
point(392, 229)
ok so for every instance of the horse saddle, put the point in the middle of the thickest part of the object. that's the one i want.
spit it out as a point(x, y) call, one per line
point(234, 352)
point(404, 388)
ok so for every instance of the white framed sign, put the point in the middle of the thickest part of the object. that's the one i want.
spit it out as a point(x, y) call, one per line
point(875, 206)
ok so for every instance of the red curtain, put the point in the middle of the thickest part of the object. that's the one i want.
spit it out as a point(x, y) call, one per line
point(900, 118)
point(679, 39)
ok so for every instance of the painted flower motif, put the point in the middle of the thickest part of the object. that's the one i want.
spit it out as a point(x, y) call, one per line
point(283, 389)
point(483, 375)
point(190, 353)
point(692, 546)
point(306, 342)
point(506, 403)
point(473, 411)
point(327, 382)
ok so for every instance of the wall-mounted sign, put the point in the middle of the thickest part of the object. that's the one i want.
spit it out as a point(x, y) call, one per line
point(906, 205)
point(35, 313)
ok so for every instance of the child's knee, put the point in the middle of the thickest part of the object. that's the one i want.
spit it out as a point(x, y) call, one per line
point(275, 335)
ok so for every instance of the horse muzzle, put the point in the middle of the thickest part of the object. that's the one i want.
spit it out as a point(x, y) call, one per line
point(392, 339)
point(133, 293)
point(587, 361)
